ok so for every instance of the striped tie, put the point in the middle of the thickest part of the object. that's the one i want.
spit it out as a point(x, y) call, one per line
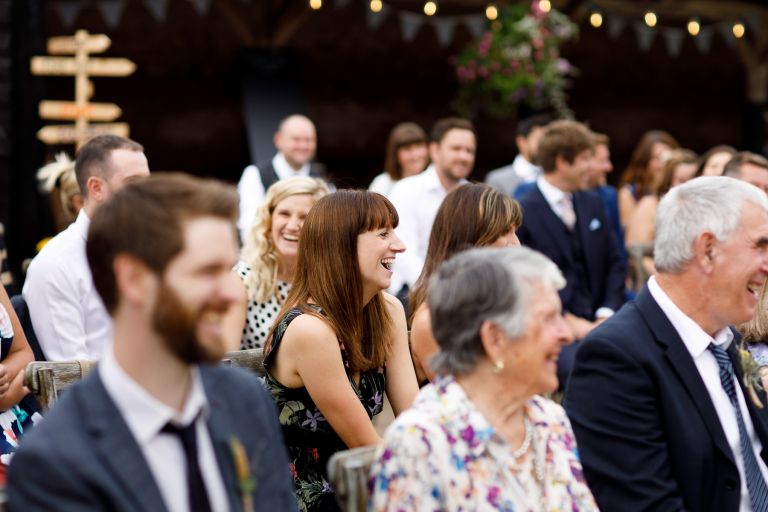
point(758, 491)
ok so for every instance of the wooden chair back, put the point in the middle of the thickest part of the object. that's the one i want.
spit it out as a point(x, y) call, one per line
point(252, 359)
point(349, 472)
point(638, 273)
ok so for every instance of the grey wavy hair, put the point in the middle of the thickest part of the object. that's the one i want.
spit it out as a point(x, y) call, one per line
point(706, 204)
point(479, 285)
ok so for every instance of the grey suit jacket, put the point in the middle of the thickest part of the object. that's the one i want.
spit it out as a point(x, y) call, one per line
point(84, 457)
point(504, 179)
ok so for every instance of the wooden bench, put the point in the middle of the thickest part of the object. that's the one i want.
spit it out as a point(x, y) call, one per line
point(47, 379)
point(349, 472)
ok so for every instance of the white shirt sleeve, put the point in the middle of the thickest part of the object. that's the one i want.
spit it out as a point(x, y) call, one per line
point(251, 192)
point(408, 265)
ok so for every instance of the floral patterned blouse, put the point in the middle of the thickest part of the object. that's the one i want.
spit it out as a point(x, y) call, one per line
point(310, 439)
point(442, 454)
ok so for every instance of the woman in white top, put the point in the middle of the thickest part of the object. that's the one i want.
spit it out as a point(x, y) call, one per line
point(406, 155)
point(269, 254)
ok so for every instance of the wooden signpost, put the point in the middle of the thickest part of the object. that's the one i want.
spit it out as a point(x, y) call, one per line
point(81, 66)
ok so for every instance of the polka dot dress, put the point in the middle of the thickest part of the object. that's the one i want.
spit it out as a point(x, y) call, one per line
point(261, 315)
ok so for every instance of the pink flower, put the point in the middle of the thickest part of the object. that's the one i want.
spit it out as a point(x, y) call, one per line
point(483, 72)
point(537, 43)
point(495, 66)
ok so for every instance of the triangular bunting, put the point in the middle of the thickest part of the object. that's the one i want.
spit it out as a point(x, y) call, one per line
point(410, 24)
point(111, 11)
point(645, 35)
point(616, 26)
point(444, 28)
point(201, 6)
point(674, 38)
point(340, 4)
point(475, 25)
point(68, 10)
point(704, 39)
point(375, 19)
point(157, 8)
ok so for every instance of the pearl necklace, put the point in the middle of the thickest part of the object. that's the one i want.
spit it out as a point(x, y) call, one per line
point(526, 441)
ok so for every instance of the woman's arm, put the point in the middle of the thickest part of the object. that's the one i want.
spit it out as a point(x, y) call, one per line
point(401, 379)
point(423, 343)
point(626, 204)
point(12, 388)
point(309, 356)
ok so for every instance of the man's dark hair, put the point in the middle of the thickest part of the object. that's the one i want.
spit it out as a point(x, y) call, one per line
point(446, 124)
point(565, 139)
point(94, 158)
point(733, 167)
point(525, 126)
point(145, 219)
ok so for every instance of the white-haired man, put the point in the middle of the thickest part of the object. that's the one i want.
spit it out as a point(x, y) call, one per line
point(656, 396)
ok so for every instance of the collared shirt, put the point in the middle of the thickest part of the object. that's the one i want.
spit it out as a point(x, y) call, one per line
point(525, 170)
point(696, 341)
point(443, 454)
point(146, 416)
point(252, 193)
point(417, 199)
point(68, 315)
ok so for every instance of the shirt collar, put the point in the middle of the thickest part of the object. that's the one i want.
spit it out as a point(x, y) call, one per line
point(524, 169)
point(551, 193)
point(284, 169)
point(695, 339)
point(144, 414)
point(433, 181)
point(82, 223)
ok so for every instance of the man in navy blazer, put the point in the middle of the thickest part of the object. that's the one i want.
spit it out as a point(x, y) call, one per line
point(569, 225)
point(159, 425)
point(656, 397)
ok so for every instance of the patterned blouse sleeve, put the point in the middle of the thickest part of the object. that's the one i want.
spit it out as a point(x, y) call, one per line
point(405, 475)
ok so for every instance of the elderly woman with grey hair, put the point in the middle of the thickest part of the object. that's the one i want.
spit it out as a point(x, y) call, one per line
point(479, 437)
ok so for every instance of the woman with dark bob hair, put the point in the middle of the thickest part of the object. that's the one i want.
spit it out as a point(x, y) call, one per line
point(340, 342)
point(480, 437)
point(473, 215)
point(407, 155)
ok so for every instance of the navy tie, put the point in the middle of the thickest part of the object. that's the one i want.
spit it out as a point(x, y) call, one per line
point(758, 491)
point(198, 497)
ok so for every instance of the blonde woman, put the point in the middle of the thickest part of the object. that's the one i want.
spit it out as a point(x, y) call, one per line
point(268, 260)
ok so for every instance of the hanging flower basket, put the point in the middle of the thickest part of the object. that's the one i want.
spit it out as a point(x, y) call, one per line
point(517, 61)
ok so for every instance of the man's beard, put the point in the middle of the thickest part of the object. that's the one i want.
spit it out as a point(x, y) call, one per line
point(177, 326)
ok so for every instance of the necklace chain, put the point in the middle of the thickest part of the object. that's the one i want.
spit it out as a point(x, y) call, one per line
point(526, 441)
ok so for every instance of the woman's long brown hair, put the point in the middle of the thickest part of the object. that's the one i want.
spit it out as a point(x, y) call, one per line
point(328, 274)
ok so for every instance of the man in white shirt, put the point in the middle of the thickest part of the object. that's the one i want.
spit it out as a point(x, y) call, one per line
point(160, 424)
point(521, 170)
point(657, 396)
point(417, 198)
point(296, 143)
point(67, 315)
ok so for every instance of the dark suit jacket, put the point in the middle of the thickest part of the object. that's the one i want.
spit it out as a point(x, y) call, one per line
point(82, 456)
point(543, 230)
point(649, 436)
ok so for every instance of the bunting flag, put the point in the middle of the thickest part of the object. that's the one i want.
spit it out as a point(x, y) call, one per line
point(111, 12)
point(475, 24)
point(68, 10)
point(444, 28)
point(201, 6)
point(157, 8)
point(375, 19)
point(410, 24)
point(674, 38)
point(704, 39)
point(726, 32)
point(340, 4)
point(616, 26)
point(645, 35)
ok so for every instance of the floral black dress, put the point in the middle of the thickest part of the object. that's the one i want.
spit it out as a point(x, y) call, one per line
point(310, 439)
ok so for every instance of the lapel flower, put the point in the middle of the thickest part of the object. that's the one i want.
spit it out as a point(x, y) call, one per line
point(752, 376)
point(245, 482)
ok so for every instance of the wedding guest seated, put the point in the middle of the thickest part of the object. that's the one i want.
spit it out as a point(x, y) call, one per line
point(340, 342)
point(713, 161)
point(269, 256)
point(749, 167)
point(407, 155)
point(487, 217)
point(480, 437)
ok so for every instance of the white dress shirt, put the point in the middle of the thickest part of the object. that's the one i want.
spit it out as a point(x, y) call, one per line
point(252, 193)
point(382, 184)
point(146, 416)
point(417, 199)
point(697, 341)
point(525, 170)
point(67, 314)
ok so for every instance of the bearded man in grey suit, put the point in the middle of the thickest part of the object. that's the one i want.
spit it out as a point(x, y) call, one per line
point(156, 427)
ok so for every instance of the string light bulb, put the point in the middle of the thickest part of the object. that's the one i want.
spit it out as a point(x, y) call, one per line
point(738, 30)
point(596, 19)
point(650, 19)
point(430, 8)
point(491, 12)
point(376, 5)
point(694, 27)
point(545, 5)
point(315, 4)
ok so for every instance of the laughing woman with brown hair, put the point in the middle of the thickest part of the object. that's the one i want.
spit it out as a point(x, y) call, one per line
point(340, 342)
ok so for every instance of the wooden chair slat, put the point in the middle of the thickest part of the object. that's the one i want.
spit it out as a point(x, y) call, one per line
point(349, 471)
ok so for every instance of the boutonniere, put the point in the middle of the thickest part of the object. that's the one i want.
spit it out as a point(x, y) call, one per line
point(753, 378)
point(245, 482)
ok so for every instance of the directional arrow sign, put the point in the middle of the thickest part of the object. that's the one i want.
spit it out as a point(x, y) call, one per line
point(68, 133)
point(71, 111)
point(96, 43)
point(68, 66)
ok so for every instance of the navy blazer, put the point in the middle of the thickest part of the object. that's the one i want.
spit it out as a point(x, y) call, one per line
point(649, 436)
point(543, 231)
point(82, 456)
